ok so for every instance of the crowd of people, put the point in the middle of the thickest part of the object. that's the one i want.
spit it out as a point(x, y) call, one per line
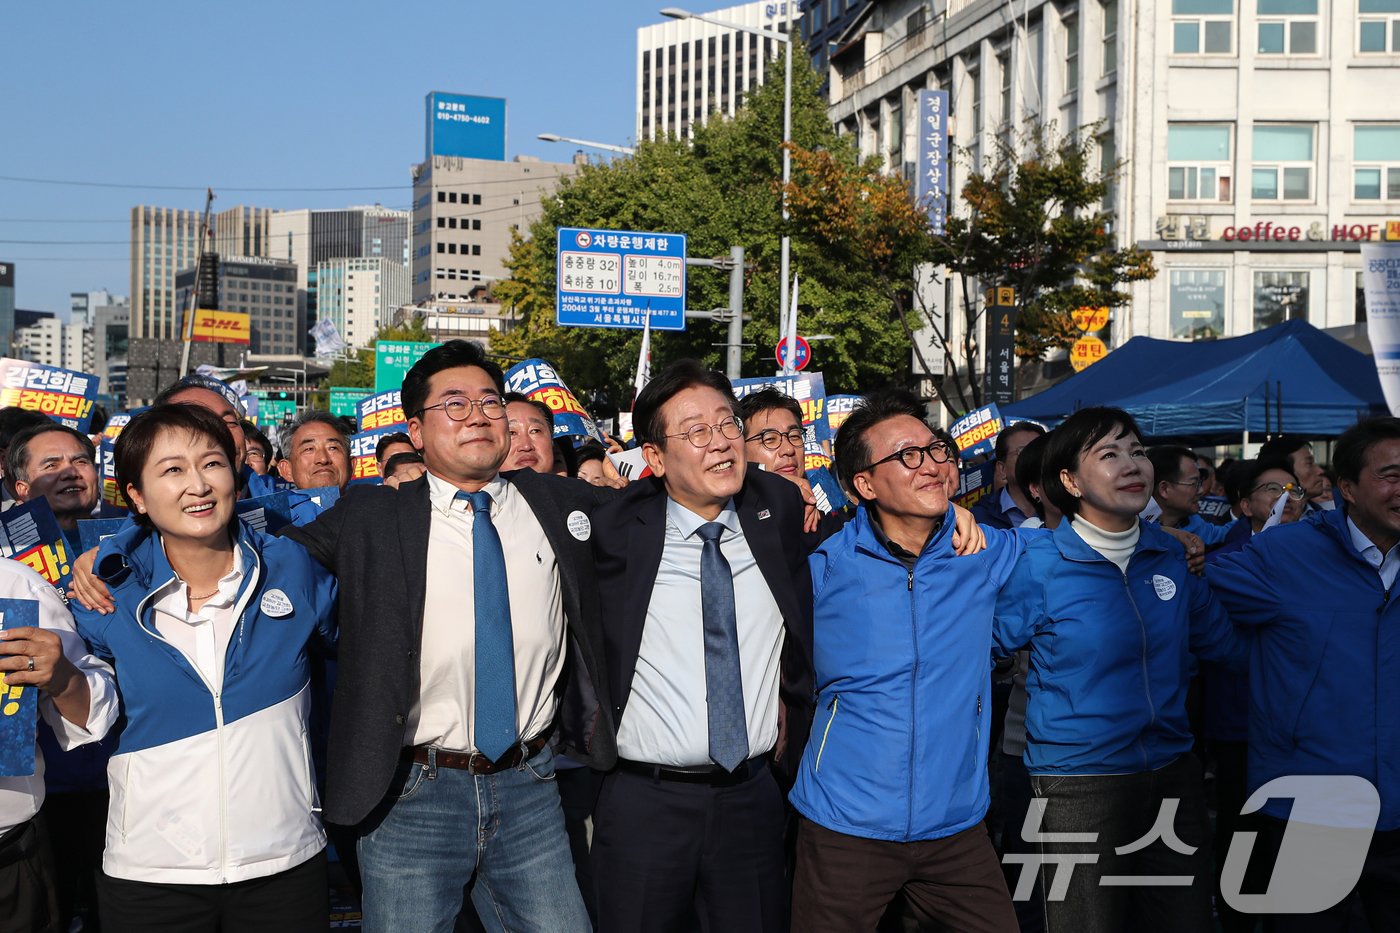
point(511, 691)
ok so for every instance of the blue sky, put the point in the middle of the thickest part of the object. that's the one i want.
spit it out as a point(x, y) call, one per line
point(294, 94)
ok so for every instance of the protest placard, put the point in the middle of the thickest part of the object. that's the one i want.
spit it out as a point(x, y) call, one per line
point(974, 483)
point(30, 534)
point(838, 409)
point(538, 381)
point(65, 396)
point(976, 432)
point(364, 469)
point(19, 705)
point(809, 391)
point(381, 410)
point(826, 490)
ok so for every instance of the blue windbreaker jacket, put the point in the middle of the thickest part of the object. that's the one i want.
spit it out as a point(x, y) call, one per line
point(898, 749)
point(1324, 678)
point(212, 787)
point(1110, 651)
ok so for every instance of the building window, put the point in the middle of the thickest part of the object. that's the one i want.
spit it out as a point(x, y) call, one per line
point(1072, 55)
point(452, 197)
point(1197, 302)
point(895, 144)
point(1110, 36)
point(1203, 27)
point(1198, 162)
point(476, 225)
point(1379, 33)
point(476, 199)
point(1108, 168)
point(1360, 298)
point(1004, 69)
point(1376, 163)
point(442, 196)
point(1283, 163)
point(1279, 297)
point(1288, 27)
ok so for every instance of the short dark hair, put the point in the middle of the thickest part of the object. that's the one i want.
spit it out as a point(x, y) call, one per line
point(852, 452)
point(543, 408)
point(1244, 476)
point(768, 399)
point(565, 456)
point(1209, 462)
point(17, 455)
point(1349, 455)
point(1004, 437)
point(1071, 439)
point(399, 459)
point(13, 420)
point(138, 439)
point(1166, 462)
point(1028, 470)
point(254, 434)
point(388, 440)
point(588, 452)
point(451, 355)
point(1283, 447)
point(313, 416)
point(647, 421)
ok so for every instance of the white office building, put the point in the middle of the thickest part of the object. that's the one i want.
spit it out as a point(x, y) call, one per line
point(688, 69)
point(359, 296)
point(1260, 138)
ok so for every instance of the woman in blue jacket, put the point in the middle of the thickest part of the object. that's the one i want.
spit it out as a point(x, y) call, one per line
point(213, 821)
point(1111, 617)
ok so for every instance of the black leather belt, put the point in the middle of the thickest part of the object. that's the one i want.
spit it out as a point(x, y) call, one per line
point(475, 762)
point(714, 776)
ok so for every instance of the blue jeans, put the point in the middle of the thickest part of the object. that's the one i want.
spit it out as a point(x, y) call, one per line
point(442, 827)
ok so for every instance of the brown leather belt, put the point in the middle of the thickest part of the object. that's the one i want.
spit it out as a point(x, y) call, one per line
point(475, 762)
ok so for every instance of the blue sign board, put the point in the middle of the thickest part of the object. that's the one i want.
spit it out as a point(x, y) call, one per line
point(19, 704)
point(615, 278)
point(465, 126)
point(931, 182)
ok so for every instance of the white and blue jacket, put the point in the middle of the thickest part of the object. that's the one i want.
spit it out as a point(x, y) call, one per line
point(212, 786)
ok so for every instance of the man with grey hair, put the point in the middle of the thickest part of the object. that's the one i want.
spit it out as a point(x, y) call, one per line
point(54, 462)
point(316, 452)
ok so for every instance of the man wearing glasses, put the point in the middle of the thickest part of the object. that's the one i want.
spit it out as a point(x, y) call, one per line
point(468, 619)
point(1177, 491)
point(773, 441)
point(893, 788)
point(709, 663)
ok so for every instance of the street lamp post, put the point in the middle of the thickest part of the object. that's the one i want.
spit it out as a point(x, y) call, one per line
point(607, 147)
point(786, 39)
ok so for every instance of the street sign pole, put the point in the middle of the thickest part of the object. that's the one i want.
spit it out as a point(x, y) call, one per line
point(1001, 345)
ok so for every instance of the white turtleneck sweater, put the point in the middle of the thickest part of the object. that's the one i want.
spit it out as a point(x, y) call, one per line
point(1116, 546)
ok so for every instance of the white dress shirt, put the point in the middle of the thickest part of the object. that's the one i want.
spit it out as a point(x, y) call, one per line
point(21, 797)
point(667, 718)
point(446, 698)
point(1387, 565)
point(202, 636)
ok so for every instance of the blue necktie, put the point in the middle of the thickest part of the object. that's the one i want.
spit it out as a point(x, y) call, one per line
point(494, 699)
point(724, 687)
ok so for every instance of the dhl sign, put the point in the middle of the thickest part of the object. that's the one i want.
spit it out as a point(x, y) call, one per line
point(220, 327)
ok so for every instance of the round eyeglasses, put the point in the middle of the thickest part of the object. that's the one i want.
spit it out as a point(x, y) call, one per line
point(459, 407)
point(700, 435)
point(1295, 492)
point(772, 438)
point(913, 457)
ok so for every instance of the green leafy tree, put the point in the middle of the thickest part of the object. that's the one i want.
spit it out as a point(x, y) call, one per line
point(722, 190)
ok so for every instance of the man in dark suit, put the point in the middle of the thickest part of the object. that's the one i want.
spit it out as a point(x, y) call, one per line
point(709, 664)
point(1012, 504)
point(469, 628)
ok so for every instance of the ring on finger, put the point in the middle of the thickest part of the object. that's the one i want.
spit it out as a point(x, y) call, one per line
point(31, 663)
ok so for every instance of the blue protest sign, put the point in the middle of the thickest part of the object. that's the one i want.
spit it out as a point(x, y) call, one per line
point(931, 184)
point(381, 410)
point(974, 483)
point(537, 380)
point(29, 533)
point(64, 395)
point(268, 513)
point(838, 409)
point(93, 531)
point(826, 490)
point(19, 705)
point(976, 432)
point(364, 468)
point(615, 278)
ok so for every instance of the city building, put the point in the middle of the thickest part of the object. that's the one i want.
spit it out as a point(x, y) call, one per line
point(308, 238)
point(165, 241)
point(49, 341)
point(467, 198)
point(81, 304)
point(7, 305)
point(824, 22)
point(688, 69)
point(1257, 140)
point(477, 320)
point(264, 289)
point(111, 335)
point(361, 295)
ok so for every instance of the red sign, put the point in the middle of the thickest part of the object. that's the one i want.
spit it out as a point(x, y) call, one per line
point(804, 354)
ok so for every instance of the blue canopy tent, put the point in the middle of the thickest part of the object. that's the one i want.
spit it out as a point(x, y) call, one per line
point(1289, 378)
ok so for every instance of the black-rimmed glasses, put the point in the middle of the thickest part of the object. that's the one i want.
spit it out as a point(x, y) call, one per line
point(459, 407)
point(772, 438)
point(913, 457)
point(1295, 492)
point(700, 435)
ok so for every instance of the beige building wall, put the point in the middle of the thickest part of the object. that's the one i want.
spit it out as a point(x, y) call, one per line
point(164, 241)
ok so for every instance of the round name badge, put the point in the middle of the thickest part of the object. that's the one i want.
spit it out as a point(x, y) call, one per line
point(1165, 587)
point(276, 604)
point(579, 526)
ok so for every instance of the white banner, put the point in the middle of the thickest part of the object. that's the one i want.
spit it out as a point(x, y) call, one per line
point(1380, 277)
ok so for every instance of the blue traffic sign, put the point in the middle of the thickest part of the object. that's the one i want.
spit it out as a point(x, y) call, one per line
point(615, 278)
